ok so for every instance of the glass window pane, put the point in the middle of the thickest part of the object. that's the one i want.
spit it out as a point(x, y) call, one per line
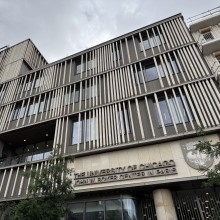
point(88, 130)
point(146, 44)
point(39, 156)
point(75, 132)
point(35, 108)
point(152, 41)
point(182, 108)
point(161, 70)
point(131, 209)
point(76, 98)
point(158, 40)
point(77, 211)
point(92, 128)
point(113, 210)
point(150, 73)
point(31, 108)
point(127, 121)
point(139, 77)
point(121, 122)
point(93, 91)
point(41, 107)
point(79, 66)
point(176, 68)
point(22, 112)
point(83, 94)
point(52, 102)
point(174, 110)
point(16, 113)
point(94, 210)
point(28, 158)
point(46, 105)
point(37, 82)
point(88, 92)
point(164, 111)
point(47, 154)
point(66, 98)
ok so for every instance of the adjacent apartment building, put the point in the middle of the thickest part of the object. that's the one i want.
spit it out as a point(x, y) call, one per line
point(128, 110)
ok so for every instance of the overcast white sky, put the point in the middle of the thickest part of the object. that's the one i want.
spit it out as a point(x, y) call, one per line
point(63, 27)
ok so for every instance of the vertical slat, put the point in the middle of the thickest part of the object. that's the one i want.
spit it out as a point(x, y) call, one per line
point(196, 107)
point(135, 49)
point(170, 111)
point(178, 108)
point(128, 52)
point(160, 114)
point(186, 108)
point(149, 117)
point(122, 54)
point(139, 119)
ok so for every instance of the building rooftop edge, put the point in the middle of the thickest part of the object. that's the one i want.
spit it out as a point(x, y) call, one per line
point(96, 46)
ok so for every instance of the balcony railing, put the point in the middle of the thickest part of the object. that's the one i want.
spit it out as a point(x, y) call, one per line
point(24, 158)
point(203, 15)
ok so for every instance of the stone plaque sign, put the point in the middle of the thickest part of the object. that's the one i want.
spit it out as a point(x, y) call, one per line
point(194, 158)
point(166, 167)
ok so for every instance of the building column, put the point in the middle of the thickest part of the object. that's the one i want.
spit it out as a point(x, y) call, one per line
point(164, 204)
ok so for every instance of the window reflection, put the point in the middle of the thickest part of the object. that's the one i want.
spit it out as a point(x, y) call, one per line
point(176, 112)
point(116, 209)
point(77, 211)
point(113, 210)
point(95, 210)
point(131, 209)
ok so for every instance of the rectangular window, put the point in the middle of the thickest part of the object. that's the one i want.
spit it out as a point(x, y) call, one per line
point(151, 41)
point(28, 83)
point(173, 66)
point(89, 92)
point(79, 67)
point(208, 36)
point(38, 82)
point(164, 111)
point(146, 43)
point(150, 73)
point(77, 211)
point(113, 209)
point(30, 109)
point(47, 103)
point(52, 103)
point(16, 112)
point(116, 55)
point(66, 98)
point(41, 107)
point(174, 109)
point(75, 132)
point(35, 108)
point(89, 133)
point(95, 210)
point(22, 112)
point(91, 64)
point(124, 122)
point(77, 95)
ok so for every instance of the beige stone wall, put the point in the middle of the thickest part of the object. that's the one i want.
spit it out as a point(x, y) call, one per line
point(145, 154)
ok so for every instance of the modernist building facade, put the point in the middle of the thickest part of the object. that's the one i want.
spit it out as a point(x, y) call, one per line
point(128, 110)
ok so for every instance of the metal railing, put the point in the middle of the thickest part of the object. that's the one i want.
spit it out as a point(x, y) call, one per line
point(203, 15)
point(24, 158)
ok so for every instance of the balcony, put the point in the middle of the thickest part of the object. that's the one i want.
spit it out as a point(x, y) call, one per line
point(24, 158)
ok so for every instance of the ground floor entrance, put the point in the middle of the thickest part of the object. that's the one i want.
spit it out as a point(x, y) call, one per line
point(160, 204)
